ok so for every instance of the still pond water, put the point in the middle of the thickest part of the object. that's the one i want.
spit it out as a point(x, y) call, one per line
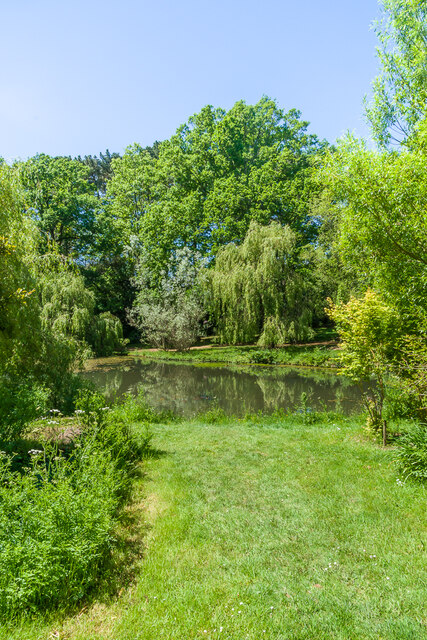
point(190, 389)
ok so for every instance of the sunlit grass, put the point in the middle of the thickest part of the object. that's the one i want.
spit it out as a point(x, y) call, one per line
point(268, 529)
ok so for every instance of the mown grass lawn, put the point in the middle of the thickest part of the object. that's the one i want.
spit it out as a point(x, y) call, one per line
point(269, 529)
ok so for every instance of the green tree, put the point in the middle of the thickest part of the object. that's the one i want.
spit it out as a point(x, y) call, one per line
point(47, 319)
point(60, 198)
point(68, 310)
point(132, 189)
point(19, 320)
point(263, 289)
point(400, 91)
point(169, 313)
point(220, 171)
point(381, 204)
point(370, 331)
point(100, 170)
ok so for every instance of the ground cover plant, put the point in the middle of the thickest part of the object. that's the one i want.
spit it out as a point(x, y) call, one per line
point(276, 528)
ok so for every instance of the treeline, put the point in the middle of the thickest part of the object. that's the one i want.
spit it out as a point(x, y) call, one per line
point(243, 224)
point(117, 218)
point(94, 244)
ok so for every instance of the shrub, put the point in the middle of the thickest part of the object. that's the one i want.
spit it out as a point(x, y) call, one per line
point(170, 326)
point(262, 357)
point(110, 431)
point(215, 415)
point(169, 312)
point(411, 454)
point(20, 402)
point(400, 402)
point(57, 516)
point(56, 521)
point(370, 331)
point(134, 408)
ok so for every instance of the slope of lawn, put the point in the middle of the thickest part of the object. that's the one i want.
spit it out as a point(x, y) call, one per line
point(268, 529)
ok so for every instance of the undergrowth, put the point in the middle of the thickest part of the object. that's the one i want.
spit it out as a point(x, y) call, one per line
point(58, 511)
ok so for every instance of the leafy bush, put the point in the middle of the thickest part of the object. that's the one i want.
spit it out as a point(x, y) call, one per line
point(109, 431)
point(400, 402)
point(134, 408)
point(411, 455)
point(370, 331)
point(56, 522)
point(262, 357)
point(169, 312)
point(170, 326)
point(20, 402)
point(57, 516)
point(215, 415)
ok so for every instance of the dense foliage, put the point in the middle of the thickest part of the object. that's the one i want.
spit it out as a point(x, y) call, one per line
point(370, 332)
point(47, 324)
point(220, 171)
point(58, 514)
point(169, 313)
point(381, 208)
point(400, 91)
point(263, 288)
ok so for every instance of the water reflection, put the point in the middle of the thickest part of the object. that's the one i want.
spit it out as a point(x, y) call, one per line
point(190, 389)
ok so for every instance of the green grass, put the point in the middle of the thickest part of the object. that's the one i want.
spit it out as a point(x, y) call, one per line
point(268, 529)
point(304, 355)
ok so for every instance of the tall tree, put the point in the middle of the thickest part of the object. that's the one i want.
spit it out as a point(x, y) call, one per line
point(263, 288)
point(100, 170)
point(400, 91)
point(381, 203)
point(220, 171)
point(61, 200)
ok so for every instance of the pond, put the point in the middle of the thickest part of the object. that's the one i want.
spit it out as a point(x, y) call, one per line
point(190, 389)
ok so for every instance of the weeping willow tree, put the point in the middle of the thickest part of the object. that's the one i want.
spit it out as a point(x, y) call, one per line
point(68, 309)
point(262, 290)
point(47, 320)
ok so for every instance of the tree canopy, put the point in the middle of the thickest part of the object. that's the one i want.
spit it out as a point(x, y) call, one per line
point(400, 90)
point(381, 203)
point(263, 288)
point(220, 171)
point(60, 198)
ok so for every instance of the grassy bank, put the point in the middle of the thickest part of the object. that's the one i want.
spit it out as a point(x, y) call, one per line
point(323, 355)
point(268, 528)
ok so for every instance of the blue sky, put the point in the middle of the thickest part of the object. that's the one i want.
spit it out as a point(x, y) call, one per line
point(78, 77)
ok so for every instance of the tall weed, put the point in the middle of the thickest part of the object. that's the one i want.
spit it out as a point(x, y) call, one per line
point(58, 514)
point(411, 455)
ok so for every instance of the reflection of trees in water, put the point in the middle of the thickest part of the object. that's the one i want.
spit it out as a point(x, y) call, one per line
point(277, 394)
point(187, 389)
point(190, 390)
point(323, 392)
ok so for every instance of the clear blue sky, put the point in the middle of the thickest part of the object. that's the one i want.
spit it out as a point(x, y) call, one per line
point(78, 77)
